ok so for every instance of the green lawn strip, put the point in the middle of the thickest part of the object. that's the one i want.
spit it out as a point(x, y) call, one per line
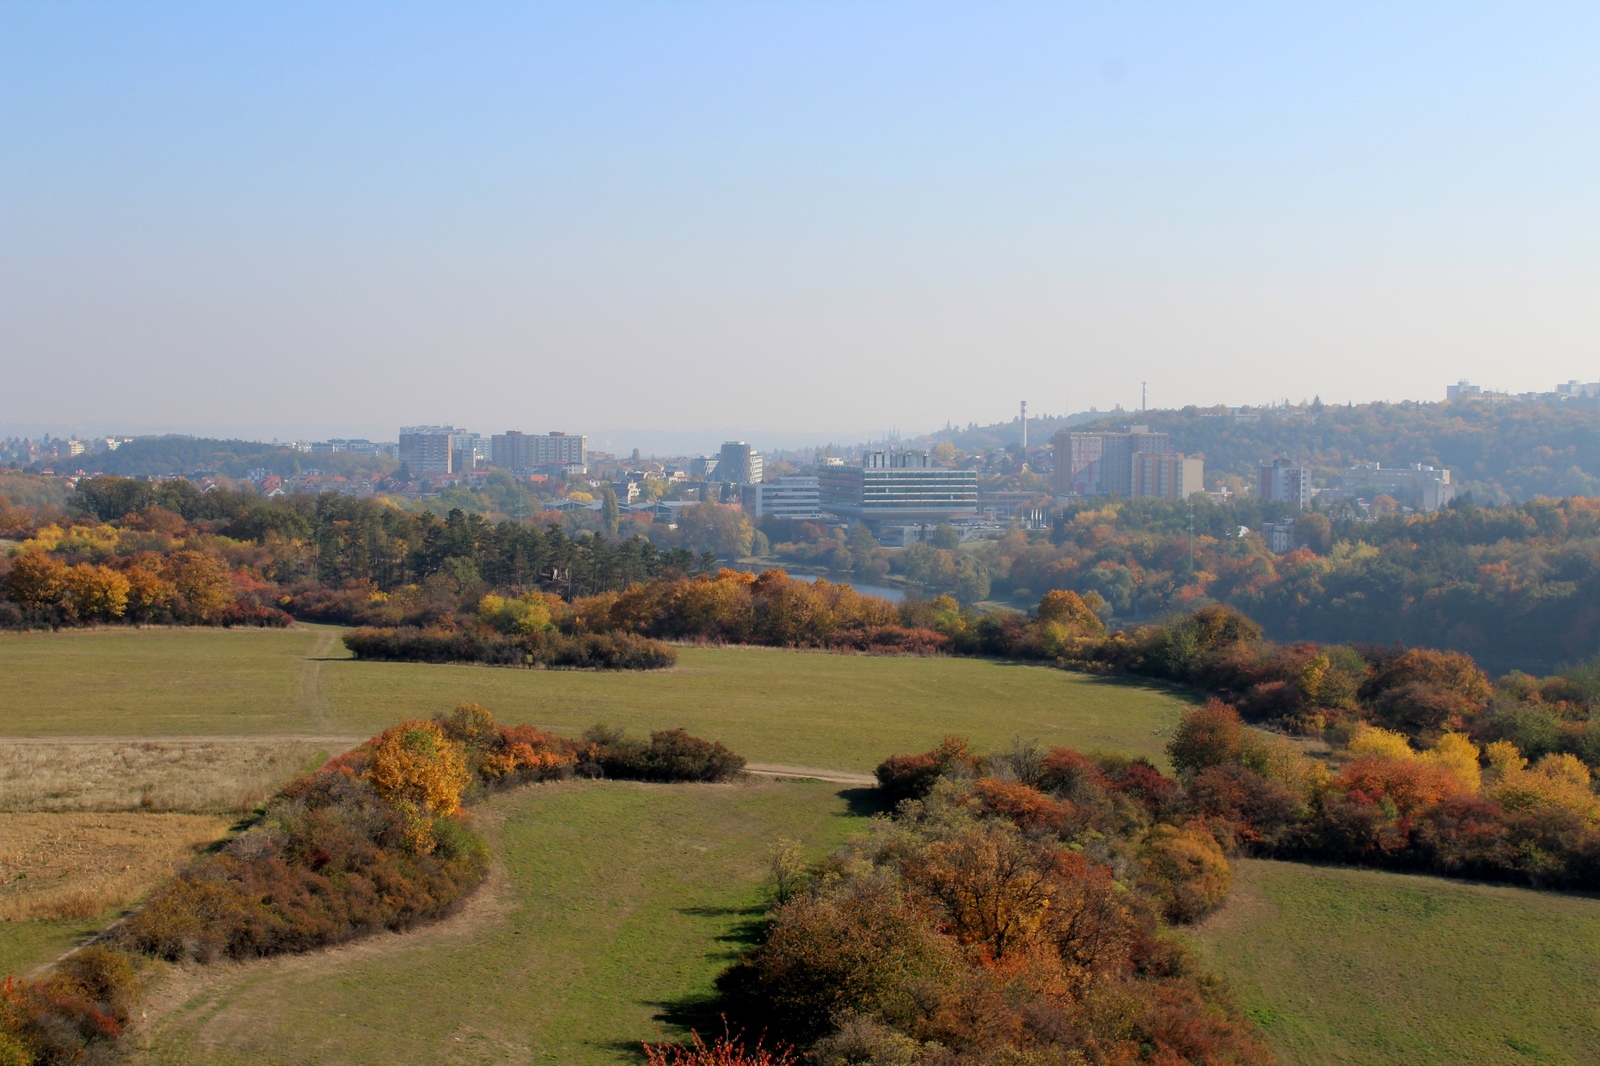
point(803, 708)
point(621, 902)
point(1364, 966)
point(155, 682)
point(24, 945)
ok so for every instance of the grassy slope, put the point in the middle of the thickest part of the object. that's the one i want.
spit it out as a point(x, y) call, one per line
point(812, 709)
point(620, 899)
point(1363, 966)
point(25, 945)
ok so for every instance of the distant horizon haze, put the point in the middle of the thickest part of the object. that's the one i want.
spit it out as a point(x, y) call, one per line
point(809, 217)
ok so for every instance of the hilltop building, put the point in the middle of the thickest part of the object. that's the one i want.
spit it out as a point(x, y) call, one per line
point(1284, 481)
point(1424, 487)
point(897, 486)
point(1130, 462)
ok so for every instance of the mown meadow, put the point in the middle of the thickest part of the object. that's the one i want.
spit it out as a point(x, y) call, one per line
point(805, 708)
point(613, 905)
point(1343, 966)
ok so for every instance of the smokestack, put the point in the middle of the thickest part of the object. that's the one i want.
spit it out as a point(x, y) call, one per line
point(1024, 427)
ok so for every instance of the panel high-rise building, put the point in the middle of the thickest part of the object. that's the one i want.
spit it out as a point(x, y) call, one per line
point(1109, 464)
point(739, 464)
point(431, 449)
point(1166, 475)
point(1284, 481)
point(522, 452)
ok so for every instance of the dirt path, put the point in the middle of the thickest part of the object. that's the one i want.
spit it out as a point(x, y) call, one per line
point(814, 773)
point(311, 702)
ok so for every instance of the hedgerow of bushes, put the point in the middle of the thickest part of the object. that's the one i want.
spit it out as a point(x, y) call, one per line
point(373, 840)
point(1454, 808)
point(598, 651)
point(1013, 910)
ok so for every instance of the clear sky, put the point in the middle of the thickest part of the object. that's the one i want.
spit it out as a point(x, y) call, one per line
point(789, 220)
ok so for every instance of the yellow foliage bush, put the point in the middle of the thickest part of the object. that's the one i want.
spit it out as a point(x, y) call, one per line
point(515, 614)
point(414, 762)
point(1185, 870)
point(97, 591)
point(1370, 740)
point(1556, 782)
point(1454, 753)
point(1458, 755)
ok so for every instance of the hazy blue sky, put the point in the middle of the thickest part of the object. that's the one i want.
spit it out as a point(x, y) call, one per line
point(792, 220)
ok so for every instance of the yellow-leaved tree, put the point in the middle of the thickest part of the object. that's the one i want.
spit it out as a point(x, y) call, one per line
point(1455, 753)
point(422, 772)
point(1556, 781)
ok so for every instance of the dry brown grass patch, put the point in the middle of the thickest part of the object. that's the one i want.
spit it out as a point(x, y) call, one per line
point(150, 775)
point(77, 866)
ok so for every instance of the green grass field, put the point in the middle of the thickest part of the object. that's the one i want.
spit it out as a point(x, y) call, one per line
point(1362, 966)
point(25, 945)
point(807, 708)
point(617, 901)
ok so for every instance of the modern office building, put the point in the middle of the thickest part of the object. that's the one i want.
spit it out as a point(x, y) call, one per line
point(524, 452)
point(897, 486)
point(703, 467)
point(1426, 488)
point(739, 464)
point(783, 497)
point(431, 449)
point(1129, 462)
point(1284, 481)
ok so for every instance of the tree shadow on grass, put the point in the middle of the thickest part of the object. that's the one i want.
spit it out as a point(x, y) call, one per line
point(744, 933)
point(863, 803)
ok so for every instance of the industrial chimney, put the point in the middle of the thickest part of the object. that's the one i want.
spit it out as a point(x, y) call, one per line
point(1024, 428)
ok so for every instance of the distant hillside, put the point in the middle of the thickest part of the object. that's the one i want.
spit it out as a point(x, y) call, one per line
point(1504, 453)
point(153, 456)
point(976, 438)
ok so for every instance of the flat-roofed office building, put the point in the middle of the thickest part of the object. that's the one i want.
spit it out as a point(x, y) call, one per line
point(739, 464)
point(898, 486)
point(783, 497)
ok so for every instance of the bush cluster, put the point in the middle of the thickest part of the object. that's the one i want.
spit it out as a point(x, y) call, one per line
point(75, 1015)
point(597, 651)
point(670, 755)
point(373, 840)
point(1011, 911)
point(1320, 689)
point(1453, 808)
